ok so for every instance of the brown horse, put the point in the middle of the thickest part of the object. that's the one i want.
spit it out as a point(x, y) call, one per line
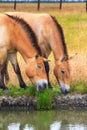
point(17, 36)
point(50, 38)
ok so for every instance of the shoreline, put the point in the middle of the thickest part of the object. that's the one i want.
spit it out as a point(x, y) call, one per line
point(63, 102)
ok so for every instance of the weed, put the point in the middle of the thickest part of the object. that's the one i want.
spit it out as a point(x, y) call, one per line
point(79, 88)
point(44, 100)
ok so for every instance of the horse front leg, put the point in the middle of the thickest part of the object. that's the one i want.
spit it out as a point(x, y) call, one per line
point(3, 57)
point(2, 84)
point(18, 73)
point(6, 75)
point(47, 68)
point(14, 62)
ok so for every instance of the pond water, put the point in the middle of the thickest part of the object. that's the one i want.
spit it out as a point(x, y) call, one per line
point(43, 120)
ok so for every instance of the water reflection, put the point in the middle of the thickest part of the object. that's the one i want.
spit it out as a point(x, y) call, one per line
point(55, 126)
point(28, 128)
point(77, 127)
point(43, 120)
point(14, 126)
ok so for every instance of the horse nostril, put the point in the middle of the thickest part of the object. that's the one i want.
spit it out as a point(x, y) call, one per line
point(66, 92)
point(39, 87)
point(64, 88)
point(44, 85)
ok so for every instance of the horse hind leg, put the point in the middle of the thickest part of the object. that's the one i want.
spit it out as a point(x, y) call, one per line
point(14, 62)
point(47, 68)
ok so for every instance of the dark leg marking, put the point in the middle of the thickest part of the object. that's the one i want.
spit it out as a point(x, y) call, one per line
point(18, 73)
point(6, 75)
point(13, 59)
point(47, 68)
point(2, 84)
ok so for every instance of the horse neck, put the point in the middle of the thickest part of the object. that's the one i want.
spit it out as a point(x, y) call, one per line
point(57, 46)
point(57, 43)
point(22, 43)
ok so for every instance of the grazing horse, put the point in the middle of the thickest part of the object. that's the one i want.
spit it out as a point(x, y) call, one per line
point(17, 36)
point(50, 38)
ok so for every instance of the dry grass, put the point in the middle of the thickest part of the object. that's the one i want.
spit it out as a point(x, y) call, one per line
point(48, 8)
point(73, 19)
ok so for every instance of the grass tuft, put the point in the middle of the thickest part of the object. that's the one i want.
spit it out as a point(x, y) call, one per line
point(79, 88)
point(14, 92)
point(44, 100)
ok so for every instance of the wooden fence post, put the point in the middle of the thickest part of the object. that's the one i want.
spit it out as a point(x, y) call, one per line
point(38, 6)
point(60, 4)
point(14, 4)
point(86, 5)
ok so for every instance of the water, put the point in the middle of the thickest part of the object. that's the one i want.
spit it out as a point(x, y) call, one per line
point(43, 120)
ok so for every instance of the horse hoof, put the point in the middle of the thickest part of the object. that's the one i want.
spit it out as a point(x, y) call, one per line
point(50, 87)
point(23, 86)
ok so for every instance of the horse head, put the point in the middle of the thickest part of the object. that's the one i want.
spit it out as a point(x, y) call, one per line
point(62, 73)
point(35, 70)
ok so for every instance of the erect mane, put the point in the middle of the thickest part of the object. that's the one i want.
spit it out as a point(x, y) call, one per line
point(62, 35)
point(31, 35)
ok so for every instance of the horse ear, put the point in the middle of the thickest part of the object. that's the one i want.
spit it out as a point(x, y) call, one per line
point(37, 55)
point(63, 58)
point(72, 56)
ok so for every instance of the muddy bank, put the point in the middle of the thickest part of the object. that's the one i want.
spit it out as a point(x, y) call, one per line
point(72, 102)
point(30, 103)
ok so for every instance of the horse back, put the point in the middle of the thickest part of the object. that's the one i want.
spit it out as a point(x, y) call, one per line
point(44, 28)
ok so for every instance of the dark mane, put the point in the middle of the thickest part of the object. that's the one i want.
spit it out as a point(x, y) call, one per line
point(62, 35)
point(31, 35)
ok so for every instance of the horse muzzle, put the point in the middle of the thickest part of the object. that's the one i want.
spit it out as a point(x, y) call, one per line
point(64, 87)
point(42, 85)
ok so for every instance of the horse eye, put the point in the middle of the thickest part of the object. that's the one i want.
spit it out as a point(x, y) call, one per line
point(62, 71)
point(39, 66)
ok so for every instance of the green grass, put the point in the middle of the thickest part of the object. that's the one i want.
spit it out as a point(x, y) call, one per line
point(47, 94)
point(44, 99)
point(14, 92)
point(80, 88)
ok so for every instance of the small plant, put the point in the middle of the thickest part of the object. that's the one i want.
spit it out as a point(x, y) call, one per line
point(79, 88)
point(31, 90)
point(44, 100)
